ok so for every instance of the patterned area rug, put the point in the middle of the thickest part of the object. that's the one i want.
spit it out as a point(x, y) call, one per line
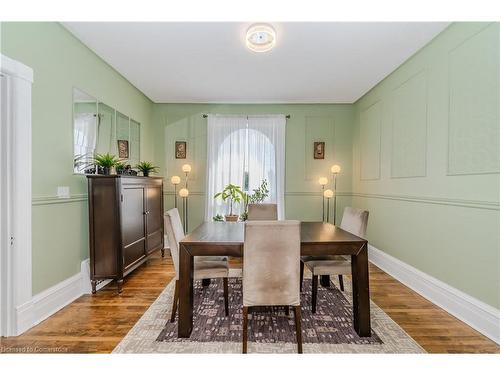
point(332, 322)
point(270, 330)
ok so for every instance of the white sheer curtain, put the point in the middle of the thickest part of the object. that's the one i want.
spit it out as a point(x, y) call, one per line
point(240, 144)
point(266, 156)
point(226, 143)
point(85, 137)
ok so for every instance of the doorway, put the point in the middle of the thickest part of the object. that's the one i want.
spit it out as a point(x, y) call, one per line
point(15, 197)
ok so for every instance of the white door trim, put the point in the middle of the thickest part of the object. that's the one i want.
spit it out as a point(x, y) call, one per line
point(15, 246)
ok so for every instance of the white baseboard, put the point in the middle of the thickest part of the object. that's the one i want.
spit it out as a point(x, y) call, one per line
point(51, 300)
point(477, 314)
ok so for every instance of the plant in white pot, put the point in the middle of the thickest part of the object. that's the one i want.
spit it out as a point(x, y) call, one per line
point(234, 194)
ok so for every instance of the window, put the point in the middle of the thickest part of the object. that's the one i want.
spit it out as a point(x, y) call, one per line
point(245, 150)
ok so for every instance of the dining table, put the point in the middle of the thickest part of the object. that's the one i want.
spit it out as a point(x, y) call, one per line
point(317, 239)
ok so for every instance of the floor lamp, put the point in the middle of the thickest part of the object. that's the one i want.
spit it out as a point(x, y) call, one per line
point(175, 180)
point(186, 168)
point(335, 171)
point(323, 181)
point(328, 194)
point(184, 193)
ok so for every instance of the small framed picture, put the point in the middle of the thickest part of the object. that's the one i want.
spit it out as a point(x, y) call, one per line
point(180, 150)
point(122, 149)
point(319, 150)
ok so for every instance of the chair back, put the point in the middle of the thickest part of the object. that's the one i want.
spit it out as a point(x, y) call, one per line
point(262, 211)
point(355, 221)
point(175, 234)
point(271, 263)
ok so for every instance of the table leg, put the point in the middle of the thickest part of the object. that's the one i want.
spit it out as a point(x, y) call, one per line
point(185, 292)
point(324, 281)
point(361, 293)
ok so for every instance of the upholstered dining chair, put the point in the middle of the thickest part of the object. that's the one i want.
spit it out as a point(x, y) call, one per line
point(354, 221)
point(262, 211)
point(271, 257)
point(209, 267)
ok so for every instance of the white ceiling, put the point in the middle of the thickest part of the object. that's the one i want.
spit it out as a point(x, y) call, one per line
point(203, 62)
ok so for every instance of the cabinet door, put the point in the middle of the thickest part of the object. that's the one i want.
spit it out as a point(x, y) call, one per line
point(154, 218)
point(133, 224)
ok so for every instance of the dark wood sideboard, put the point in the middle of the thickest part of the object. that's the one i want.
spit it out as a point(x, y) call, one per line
point(125, 224)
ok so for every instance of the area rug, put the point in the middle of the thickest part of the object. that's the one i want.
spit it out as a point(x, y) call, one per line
point(270, 330)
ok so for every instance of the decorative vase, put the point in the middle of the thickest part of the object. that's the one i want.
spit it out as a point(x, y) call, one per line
point(231, 217)
point(145, 173)
point(106, 171)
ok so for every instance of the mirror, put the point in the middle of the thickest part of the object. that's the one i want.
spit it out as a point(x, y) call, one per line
point(100, 129)
point(85, 130)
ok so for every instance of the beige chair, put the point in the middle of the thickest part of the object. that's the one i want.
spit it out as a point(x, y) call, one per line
point(354, 221)
point(271, 257)
point(262, 211)
point(209, 267)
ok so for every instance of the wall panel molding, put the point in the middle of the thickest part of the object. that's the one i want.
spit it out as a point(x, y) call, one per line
point(473, 102)
point(410, 127)
point(370, 142)
point(486, 205)
point(54, 199)
point(315, 131)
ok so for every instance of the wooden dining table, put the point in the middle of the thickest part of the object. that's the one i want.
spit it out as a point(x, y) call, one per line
point(317, 238)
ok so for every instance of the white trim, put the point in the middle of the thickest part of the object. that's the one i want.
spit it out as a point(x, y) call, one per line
point(16, 224)
point(53, 299)
point(477, 314)
point(15, 68)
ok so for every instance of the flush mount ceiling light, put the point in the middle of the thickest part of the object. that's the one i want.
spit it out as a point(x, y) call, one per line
point(261, 37)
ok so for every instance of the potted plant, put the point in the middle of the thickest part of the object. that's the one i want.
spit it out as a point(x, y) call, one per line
point(234, 194)
point(258, 196)
point(146, 168)
point(106, 162)
point(120, 166)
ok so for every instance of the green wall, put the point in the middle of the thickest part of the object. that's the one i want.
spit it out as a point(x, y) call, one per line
point(61, 62)
point(426, 158)
point(332, 123)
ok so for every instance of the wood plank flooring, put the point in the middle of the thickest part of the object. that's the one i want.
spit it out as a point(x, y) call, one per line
point(97, 323)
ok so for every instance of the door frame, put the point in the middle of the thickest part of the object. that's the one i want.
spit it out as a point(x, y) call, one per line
point(16, 314)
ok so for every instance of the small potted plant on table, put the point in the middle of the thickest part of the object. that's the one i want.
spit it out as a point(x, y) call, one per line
point(146, 168)
point(234, 194)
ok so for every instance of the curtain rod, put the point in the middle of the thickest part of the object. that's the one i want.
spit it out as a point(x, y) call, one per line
point(205, 116)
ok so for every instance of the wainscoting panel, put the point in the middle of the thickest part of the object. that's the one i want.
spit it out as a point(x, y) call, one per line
point(370, 139)
point(474, 118)
point(318, 129)
point(409, 128)
point(191, 130)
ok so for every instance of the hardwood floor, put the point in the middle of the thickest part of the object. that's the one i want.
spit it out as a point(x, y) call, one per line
point(97, 323)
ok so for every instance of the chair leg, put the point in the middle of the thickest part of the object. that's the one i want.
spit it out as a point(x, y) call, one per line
point(341, 282)
point(226, 297)
point(301, 274)
point(314, 292)
point(298, 328)
point(176, 299)
point(245, 328)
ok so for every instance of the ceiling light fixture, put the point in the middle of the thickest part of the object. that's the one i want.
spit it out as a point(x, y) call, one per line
point(261, 37)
